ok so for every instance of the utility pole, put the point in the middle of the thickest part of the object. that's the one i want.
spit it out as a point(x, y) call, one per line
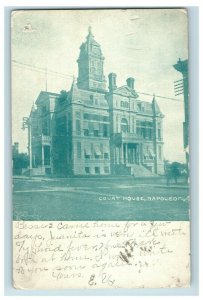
point(46, 78)
point(27, 125)
point(181, 87)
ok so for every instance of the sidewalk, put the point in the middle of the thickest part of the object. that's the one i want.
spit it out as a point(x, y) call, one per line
point(177, 186)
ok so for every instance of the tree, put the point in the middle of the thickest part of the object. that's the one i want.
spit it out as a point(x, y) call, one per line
point(20, 161)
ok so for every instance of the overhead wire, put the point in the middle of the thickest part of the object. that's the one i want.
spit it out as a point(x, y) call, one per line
point(64, 75)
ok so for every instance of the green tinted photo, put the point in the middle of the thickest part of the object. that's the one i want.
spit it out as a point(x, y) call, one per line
point(100, 115)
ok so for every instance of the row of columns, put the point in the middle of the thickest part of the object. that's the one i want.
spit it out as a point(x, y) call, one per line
point(44, 162)
point(125, 154)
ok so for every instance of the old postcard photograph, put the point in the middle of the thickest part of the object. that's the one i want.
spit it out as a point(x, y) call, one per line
point(100, 148)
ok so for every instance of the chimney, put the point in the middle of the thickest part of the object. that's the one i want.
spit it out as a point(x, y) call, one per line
point(130, 83)
point(112, 82)
point(16, 147)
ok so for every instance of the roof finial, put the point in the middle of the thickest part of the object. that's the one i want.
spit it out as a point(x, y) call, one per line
point(90, 30)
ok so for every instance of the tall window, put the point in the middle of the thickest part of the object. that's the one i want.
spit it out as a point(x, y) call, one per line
point(149, 130)
point(97, 170)
point(96, 132)
point(144, 129)
point(78, 150)
point(91, 99)
point(69, 129)
point(124, 125)
point(47, 155)
point(159, 131)
point(87, 170)
point(160, 153)
point(106, 155)
point(91, 127)
point(86, 132)
point(105, 130)
point(45, 127)
point(78, 128)
point(124, 104)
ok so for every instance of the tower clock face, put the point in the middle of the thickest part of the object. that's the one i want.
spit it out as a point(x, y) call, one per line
point(95, 50)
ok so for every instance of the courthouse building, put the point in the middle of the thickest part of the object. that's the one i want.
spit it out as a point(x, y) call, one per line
point(93, 129)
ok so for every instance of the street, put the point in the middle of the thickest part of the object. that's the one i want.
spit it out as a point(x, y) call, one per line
point(93, 199)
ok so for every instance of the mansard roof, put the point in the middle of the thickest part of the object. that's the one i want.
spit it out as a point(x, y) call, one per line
point(144, 107)
point(151, 108)
point(45, 95)
point(86, 97)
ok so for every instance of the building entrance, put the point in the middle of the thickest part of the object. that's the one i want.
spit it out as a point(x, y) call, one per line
point(130, 153)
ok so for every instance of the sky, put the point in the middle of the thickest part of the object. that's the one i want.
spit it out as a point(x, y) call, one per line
point(139, 43)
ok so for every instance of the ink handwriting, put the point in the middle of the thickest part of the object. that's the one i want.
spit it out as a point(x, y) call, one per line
point(93, 253)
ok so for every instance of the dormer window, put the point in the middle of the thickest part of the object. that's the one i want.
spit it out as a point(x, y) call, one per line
point(141, 106)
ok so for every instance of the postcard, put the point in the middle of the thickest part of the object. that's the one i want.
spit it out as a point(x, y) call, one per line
point(100, 148)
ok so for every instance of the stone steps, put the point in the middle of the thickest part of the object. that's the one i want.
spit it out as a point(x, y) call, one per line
point(141, 171)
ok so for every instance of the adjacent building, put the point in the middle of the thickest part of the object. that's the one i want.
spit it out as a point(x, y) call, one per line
point(181, 87)
point(93, 129)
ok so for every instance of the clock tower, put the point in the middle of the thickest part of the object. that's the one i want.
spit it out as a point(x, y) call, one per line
point(90, 66)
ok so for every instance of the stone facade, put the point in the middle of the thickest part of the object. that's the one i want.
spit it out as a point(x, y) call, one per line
point(90, 130)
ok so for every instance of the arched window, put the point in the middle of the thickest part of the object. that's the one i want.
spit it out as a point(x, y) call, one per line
point(124, 125)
